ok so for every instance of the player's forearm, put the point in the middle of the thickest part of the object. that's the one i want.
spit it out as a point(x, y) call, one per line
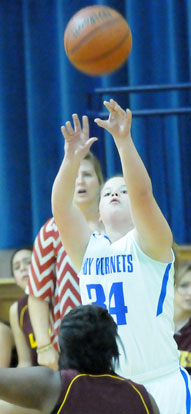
point(63, 188)
point(6, 345)
point(13, 388)
point(35, 387)
point(39, 316)
point(136, 176)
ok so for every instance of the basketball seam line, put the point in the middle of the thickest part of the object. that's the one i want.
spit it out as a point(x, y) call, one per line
point(91, 34)
point(105, 53)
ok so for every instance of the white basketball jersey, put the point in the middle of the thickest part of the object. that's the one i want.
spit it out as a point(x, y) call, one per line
point(138, 292)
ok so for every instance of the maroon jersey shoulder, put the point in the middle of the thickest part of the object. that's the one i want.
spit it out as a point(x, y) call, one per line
point(101, 393)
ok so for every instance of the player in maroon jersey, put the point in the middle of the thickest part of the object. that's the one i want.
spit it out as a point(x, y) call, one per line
point(21, 325)
point(53, 285)
point(182, 313)
point(87, 382)
point(19, 314)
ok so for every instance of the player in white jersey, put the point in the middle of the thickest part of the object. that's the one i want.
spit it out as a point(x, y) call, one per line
point(129, 270)
point(138, 292)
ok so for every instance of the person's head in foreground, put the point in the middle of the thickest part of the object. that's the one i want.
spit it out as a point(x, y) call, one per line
point(88, 340)
point(86, 382)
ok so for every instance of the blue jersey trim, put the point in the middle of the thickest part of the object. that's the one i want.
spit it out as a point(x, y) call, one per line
point(97, 235)
point(107, 238)
point(163, 290)
point(188, 397)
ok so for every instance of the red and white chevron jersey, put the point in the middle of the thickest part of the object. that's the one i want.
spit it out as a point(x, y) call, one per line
point(52, 276)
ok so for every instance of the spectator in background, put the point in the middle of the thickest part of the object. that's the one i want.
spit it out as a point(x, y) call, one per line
point(19, 314)
point(21, 326)
point(182, 312)
point(53, 284)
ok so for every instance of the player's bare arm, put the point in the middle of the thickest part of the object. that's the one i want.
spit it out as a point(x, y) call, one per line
point(34, 387)
point(70, 221)
point(23, 351)
point(37, 306)
point(152, 231)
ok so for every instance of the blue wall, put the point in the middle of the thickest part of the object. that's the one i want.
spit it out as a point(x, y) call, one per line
point(40, 89)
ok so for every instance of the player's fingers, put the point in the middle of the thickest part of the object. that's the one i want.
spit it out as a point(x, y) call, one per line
point(85, 125)
point(90, 142)
point(55, 367)
point(52, 365)
point(69, 128)
point(116, 107)
point(77, 125)
point(64, 132)
point(129, 113)
point(101, 122)
point(109, 106)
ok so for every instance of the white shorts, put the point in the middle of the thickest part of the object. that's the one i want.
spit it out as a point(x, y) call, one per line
point(172, 392)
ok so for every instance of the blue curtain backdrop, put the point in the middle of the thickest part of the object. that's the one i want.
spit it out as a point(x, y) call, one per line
point(39, 90)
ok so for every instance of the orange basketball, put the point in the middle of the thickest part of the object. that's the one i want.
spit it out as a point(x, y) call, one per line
point(97, 40)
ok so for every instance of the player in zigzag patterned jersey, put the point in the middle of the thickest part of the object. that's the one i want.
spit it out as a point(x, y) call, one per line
point(87, 382)
point(53, 284)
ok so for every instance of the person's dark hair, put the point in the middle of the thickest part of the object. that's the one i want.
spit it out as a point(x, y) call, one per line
point(30, 248)
point(96, 164)
point(88, 340)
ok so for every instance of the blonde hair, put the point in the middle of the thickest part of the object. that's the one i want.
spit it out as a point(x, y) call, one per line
point(96, 164)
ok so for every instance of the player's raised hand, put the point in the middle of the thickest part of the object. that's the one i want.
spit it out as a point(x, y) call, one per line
point(119, 121)
point(77, 140)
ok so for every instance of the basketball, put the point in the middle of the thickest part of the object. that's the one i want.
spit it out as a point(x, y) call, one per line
point(97, 40)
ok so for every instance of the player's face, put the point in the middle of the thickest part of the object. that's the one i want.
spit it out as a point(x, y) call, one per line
point(182, 296)
point(114, 199)
point(87, 188)
point(21, 264)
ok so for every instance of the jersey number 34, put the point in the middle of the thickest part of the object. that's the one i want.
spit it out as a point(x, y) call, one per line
point(116, 305)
